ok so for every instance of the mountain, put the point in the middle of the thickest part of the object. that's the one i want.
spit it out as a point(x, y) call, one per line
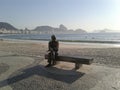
point(62, 27)
point(80, 31)
point(103, 31)
point(7, 26)
point(39, 29)
point(44, 28)
point(60, 30)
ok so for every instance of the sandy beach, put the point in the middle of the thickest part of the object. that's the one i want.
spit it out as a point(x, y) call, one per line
point(22, 67)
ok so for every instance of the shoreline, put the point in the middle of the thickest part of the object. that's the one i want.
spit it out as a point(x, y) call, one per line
point(89, 45)
point(68, 38)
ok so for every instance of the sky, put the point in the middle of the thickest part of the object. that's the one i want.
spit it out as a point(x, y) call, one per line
point(89, 15)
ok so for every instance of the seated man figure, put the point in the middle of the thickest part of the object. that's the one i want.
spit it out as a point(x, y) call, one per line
point(53, 47)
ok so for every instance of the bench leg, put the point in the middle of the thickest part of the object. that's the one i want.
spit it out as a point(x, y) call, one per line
point(77, 65)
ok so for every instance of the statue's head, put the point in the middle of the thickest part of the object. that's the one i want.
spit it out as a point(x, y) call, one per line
point(53, 38)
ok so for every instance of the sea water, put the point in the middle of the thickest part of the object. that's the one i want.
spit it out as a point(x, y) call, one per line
point(84, 37)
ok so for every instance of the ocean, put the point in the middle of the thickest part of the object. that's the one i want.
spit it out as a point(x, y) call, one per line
point(82, 38)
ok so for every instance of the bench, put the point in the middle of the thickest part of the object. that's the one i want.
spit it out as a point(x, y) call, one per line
point(75, 59)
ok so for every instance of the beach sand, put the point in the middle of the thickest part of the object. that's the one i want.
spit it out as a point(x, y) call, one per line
point(24, 62)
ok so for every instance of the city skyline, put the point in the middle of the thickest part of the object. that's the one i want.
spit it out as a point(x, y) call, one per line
point(89, 15)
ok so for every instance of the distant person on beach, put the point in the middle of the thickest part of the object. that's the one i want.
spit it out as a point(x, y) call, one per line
point(53, 47)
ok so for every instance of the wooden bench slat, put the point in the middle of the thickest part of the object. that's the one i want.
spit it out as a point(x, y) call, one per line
point(74, 59)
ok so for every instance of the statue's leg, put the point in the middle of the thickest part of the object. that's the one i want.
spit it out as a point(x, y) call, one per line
point(49, 59)
point(55, 57)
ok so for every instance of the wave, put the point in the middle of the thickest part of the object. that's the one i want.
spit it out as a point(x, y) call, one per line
point(81, 41)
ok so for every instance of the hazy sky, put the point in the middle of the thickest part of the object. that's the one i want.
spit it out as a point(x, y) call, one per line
point(85, 14)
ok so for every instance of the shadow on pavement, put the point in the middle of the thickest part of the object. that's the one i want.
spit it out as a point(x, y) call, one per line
point(40, 70)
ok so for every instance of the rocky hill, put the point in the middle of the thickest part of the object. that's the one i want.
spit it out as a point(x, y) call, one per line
point(7, 26)
point(40, 29)
point(61, 29)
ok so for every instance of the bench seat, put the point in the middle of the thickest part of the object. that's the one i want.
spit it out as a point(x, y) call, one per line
point(78, 60)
